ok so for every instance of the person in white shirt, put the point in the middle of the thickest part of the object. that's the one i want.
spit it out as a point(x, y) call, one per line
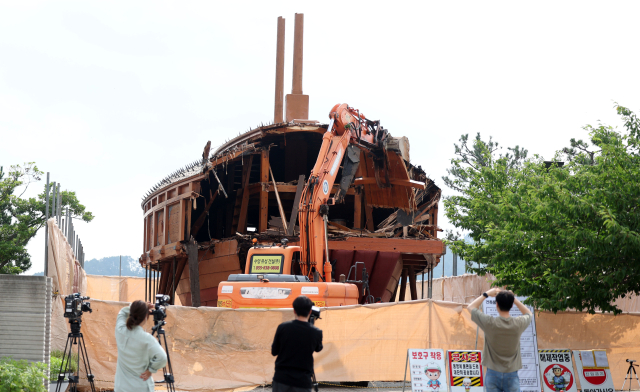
point(139, 354)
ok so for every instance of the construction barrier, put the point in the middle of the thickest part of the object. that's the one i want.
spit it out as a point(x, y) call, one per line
point(225, 349)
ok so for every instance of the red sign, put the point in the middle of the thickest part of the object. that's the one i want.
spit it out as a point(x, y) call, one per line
point(595, 376)
point(565, 373)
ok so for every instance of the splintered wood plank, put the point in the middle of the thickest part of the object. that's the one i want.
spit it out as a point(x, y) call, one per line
point(264, 196)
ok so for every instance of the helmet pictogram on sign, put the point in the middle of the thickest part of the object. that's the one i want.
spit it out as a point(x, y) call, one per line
point(558, 377)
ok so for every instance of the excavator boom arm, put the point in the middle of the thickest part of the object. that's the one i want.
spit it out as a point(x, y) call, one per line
point(348, 133)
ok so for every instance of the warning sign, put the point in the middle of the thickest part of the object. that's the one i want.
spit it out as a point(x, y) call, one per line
point(266, 264)
point(593, 370)
point(556, 366)
point(427, 370)
point(465, 371)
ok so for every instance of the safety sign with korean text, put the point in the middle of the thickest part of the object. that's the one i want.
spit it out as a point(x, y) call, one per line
point(427, 370)
point(465, 371)
point(556, 366)
point(593, 369)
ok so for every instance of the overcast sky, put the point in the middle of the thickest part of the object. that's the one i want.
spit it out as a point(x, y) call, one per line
point(110, 97)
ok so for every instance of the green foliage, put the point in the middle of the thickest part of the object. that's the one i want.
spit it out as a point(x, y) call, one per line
point(54, 368)
point(21, 218)
point(22, 376)
point(56, 355)
point(567, 237)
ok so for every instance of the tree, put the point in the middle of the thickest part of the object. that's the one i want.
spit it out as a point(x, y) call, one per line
point(21, 218)
point(565, 236)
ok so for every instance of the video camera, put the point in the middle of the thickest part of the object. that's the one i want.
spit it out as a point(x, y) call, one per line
point(75, 305)
point(159, 311)
point(315, 314)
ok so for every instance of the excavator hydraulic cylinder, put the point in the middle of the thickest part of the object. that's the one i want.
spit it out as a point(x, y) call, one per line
point(327, 271)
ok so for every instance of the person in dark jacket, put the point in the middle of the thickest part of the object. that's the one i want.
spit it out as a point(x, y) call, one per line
point(294, 345)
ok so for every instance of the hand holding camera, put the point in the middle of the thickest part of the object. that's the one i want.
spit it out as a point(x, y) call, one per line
point(315, 315)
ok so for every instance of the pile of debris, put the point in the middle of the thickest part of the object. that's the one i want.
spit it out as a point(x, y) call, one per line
point(418, 224)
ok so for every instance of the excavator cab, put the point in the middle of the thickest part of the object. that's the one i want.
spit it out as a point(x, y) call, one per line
point(273, 279)
point(274, 259)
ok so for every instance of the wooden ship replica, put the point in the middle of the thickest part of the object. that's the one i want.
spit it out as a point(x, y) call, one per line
point(200, 221)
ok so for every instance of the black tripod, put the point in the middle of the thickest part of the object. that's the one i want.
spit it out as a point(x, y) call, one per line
point(168, 369)
point(315, 382)
point(632, 367)
point(75, 337)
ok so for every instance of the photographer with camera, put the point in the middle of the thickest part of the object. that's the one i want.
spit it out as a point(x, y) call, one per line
point(139, 354)
point(294, 344)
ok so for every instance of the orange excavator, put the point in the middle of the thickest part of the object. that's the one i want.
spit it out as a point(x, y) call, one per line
point(277, 274)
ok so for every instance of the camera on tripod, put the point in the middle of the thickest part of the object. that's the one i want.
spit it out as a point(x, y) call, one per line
point(159, 314)
point(159, 310)
point(315, 314)
point(75, 305)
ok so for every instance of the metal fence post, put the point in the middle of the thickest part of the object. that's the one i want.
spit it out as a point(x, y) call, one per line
point(46, 229)
point(58, 213)
point(455, 264)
